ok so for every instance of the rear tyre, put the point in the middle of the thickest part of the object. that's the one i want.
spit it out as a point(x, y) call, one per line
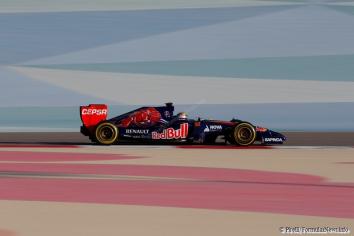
point(244, 134)
point(106, 133)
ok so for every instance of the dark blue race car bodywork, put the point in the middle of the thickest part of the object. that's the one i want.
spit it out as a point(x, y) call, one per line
point(160, 125)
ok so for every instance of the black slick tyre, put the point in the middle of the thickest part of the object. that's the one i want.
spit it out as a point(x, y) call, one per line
point(106, 134)
point(244, 134)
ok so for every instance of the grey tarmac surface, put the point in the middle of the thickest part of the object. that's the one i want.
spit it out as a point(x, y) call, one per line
point(75, 138)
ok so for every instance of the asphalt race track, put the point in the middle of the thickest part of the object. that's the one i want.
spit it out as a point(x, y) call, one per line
point(60, 184)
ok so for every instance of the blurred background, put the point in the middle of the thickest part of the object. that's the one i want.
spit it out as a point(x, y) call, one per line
point(283, 64)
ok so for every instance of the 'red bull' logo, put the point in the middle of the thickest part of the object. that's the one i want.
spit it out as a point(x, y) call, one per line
point(172, 133)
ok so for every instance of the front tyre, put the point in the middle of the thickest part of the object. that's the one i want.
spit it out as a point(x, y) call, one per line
point(244, 134)
point(106, 133)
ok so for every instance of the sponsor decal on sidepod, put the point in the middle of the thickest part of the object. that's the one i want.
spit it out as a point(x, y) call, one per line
point(212, 128)
point(171, 133)
point(137, 131)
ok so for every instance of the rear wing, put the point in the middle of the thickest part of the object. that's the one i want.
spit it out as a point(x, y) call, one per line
point(93, 114)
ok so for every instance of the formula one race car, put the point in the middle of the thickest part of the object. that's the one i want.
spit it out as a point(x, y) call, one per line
point(159, 124)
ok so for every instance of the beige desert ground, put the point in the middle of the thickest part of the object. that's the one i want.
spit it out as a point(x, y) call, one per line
point(173, 190)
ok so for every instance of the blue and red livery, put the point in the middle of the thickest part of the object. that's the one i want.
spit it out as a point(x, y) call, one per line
point(160, 125)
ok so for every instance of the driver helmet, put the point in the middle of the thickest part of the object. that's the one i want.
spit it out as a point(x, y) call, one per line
point(182, 116)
